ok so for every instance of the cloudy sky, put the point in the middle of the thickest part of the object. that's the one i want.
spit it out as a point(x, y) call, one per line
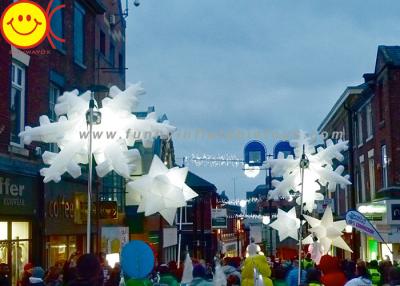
point(227, 71)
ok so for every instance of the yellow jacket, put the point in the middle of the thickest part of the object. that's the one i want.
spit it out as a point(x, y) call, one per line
point(260, 263)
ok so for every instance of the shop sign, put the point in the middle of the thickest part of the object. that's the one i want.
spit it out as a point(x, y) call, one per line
point(61, 208)
point(395, 211)
point(229, 247)
point(361, 223)
point(219, 218)
point(17, 194)
point(107, 210)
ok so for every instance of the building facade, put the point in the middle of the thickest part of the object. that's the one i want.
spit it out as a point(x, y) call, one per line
point(373, 158)
point(31, 81)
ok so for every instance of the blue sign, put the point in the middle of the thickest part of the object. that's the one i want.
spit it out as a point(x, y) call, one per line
point(283, 147)
point(137, 259)
point(361, 223)
point(254, 153)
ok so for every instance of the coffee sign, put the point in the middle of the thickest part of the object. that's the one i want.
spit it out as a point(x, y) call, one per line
point(17, 194)
point(61, 208)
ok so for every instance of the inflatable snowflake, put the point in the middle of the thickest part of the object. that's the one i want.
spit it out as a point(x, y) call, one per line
point(328, 232)
point(162, 190)
point(319, 172)
point(118, 130)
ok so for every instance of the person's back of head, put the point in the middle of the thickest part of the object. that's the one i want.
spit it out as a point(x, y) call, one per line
point(373, 264)
point(88, 271)
point(313, 275)
point(394, 275)
point(362, 271)
point(199, 271)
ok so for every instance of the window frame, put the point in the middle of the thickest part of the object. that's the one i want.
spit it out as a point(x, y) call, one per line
point(360, 139)
point(15, 66)
point(52, 116)
point(111, 53)
point(102, 43)
point(362, 179)
point(370, 129)
point(59, 45)
point(385, 166)
point(371, 174)
point(79, 8)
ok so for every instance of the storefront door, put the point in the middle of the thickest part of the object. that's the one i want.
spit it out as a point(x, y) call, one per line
point(15, 246)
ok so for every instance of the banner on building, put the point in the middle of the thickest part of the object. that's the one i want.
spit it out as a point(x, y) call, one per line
point(219, 218)
point(361, 223)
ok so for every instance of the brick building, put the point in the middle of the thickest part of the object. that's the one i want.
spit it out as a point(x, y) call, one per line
point(31, 81)
point(369, 115)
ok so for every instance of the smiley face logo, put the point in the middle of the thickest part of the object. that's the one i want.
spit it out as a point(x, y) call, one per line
point(25, 24)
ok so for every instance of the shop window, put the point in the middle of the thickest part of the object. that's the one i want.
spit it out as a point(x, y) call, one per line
point(15, 243)
point(60, 249)
point(20, 230)
point(17, 103)
point(372, 249)
point(3, 230)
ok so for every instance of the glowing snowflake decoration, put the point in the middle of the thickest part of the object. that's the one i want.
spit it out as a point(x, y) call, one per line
point(319, 173)
point(162, 190)
point(287, 224)
point(328, 232)
point(118, 130)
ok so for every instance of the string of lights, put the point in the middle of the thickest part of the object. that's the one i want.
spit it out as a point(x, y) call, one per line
point(239, 202)
point(207, 160)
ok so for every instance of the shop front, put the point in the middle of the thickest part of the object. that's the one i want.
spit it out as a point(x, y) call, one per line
point(385, 217)
point(65, 220)
point(19, 216)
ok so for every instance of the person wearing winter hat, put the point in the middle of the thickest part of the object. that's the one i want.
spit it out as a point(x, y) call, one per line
point(332, 274)
point(37, 276)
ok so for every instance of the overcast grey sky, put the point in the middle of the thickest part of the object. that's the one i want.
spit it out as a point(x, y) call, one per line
point(222, 68)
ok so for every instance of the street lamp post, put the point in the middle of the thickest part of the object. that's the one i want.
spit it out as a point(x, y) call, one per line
point(304, 164)
point(92, 117)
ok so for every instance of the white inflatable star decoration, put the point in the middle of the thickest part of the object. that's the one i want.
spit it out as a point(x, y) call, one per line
point(328, 232)
point(162, 190)
point(287, 224)
point(319, 173)
point(118, 130)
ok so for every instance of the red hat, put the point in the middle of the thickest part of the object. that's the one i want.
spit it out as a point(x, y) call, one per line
point(28, 266)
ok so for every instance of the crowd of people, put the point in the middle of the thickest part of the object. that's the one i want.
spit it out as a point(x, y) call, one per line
point(258, 270)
